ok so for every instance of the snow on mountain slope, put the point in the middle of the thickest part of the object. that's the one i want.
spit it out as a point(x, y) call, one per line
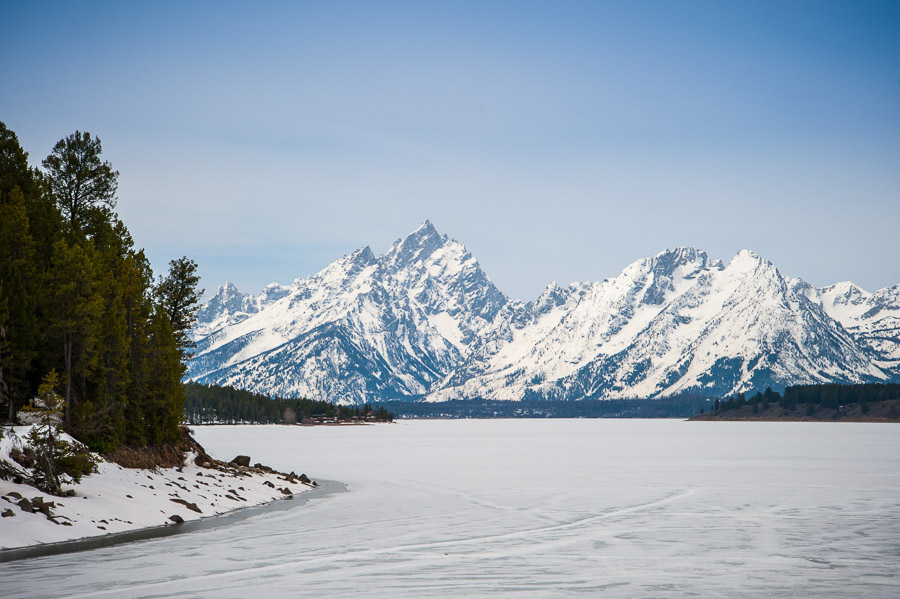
point(229, 306)
point(363, 328)
point(672, 323)
point(423, 321)
point(568, 328)
point(872, 318)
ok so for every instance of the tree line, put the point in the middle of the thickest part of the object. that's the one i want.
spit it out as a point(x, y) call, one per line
point(208, 404)
point(79, 301)
point(831, 396)
point(678, 406)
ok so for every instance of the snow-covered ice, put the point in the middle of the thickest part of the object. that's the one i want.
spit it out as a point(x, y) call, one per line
point(535, 508)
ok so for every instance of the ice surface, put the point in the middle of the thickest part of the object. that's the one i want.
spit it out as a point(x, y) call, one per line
point(535, 508)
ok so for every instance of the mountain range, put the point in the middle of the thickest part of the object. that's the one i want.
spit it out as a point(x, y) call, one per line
point(423, 322)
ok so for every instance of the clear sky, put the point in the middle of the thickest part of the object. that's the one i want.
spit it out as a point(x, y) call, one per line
point(559, 141)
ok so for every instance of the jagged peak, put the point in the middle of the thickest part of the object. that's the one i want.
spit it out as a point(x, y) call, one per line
point(749, 268)
point(552, 295)
point(426, 226)
point(661, 270)
point(888, 296)
point(748, 255)
point(684, 254)
point(425, 232)
point(550, 290)
point(226, 300)
point(345, 266)
point(669, 260)
point(892, 291)
point(849, 289)
point(665, 263)
point(226, 291)
point(843, 287)
point(418, 245)
point(363, 256)
point(273, 292)
point(749, 258)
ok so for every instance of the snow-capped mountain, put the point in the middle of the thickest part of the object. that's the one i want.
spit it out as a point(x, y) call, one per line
point(229, 306)
point(364, 328)
point(872, 318)
point(423, 321)
point(671, 323)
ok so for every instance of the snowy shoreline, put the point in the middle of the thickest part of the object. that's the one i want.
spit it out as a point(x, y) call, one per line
point(325, 488)
point(117, 501)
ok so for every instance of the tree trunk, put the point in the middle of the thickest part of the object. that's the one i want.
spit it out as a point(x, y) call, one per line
point(67, 353)
point(4, 390)
point(5, 394)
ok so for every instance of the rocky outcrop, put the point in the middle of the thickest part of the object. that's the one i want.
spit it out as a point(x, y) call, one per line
point(241, 460)
point(191, 506)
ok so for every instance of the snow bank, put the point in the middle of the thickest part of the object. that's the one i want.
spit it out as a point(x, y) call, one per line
point(117, 499)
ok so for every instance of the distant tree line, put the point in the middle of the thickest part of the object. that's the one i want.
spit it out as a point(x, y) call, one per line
point(680, 406)
point(79, 300)
point(208, 404)
point(831, 396)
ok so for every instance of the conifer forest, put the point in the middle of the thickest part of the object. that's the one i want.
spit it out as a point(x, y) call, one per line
point(79, 303)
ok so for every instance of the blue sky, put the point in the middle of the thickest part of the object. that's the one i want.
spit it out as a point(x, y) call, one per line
point(560, 141)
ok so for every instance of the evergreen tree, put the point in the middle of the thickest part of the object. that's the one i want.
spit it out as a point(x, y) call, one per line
point(179, 297)
point(75, 296)
point(22, 206)
point(77, 310)
point(102, 424)
point(14, 170)
point(163, 409)
point(79, 180)
point(57, 461)
point(18, 345)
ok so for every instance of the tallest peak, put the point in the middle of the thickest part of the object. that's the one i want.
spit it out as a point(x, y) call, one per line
point(426, 227)
point(418, 244)
point(425, 233)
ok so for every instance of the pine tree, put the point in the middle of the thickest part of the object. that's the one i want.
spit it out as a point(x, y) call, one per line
point(17, 316)
point(57, 461)
point(103, 422)
point(79, 180)
point(20, 204)
point(44, 436)
point(179, 297)
point(76, 296)
point(76, 310)
point(164, 408)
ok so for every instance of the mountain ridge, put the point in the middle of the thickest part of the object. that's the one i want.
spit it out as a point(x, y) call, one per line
point(424, 322)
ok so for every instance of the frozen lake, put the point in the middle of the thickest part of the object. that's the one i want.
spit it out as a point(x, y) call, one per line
point(618, 508)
